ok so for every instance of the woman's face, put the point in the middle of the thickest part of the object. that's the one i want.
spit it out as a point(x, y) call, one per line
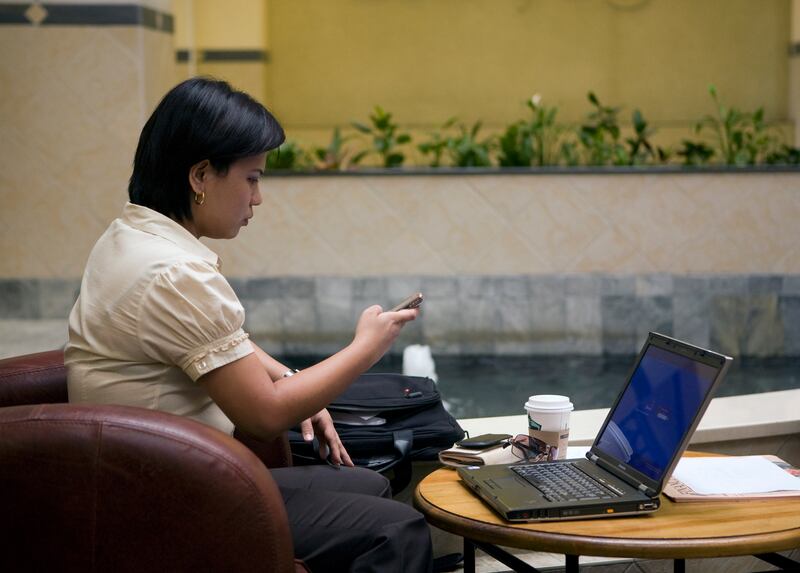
point(229, 197)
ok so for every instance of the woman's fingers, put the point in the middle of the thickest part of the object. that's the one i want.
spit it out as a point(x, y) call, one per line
point(307, 429)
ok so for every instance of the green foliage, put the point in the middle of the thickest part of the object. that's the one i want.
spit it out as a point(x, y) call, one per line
point(385, 139)
point(287, 157)
point(437, 144)
point(336, 156)
point(695, 153)
point(569, 153)
point(466, 150)
point(640, 150)
point(784, 155)
point(600, 135)
point(531, 142)
point(743, 138)
point(737, 138)
point(515, 146)
point(544, 132)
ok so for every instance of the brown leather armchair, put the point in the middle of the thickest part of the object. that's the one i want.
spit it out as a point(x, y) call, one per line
point(97, 487)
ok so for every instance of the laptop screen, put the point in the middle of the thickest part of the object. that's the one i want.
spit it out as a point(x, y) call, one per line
point(656, 410)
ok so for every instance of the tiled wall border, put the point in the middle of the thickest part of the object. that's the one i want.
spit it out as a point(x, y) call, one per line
point(750, 315)
point(204, 56)
point(46, 14)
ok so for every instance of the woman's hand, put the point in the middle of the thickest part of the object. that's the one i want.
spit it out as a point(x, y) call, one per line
point(321, 425)
point(377, 330)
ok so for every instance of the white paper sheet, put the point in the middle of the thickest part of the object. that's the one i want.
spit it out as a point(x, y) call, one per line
point(736, 474)
point(577, 451)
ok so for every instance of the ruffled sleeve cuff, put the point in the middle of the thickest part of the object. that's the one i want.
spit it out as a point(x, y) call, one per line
point(216, 354)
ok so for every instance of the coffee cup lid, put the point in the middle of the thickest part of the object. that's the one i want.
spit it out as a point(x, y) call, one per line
point(549, 402)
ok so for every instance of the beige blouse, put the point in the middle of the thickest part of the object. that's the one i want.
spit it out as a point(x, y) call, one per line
point(154, 314)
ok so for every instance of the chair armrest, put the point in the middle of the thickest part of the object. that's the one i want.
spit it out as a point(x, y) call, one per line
point(273, 453)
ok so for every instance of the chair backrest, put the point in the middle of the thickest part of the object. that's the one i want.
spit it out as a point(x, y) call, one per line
point(114, 488)
point(38, 378)
point(41, 378)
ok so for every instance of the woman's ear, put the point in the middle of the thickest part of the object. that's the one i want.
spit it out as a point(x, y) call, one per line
point(197, 174)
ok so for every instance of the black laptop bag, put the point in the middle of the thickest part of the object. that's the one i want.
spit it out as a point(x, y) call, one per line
point(417, 426)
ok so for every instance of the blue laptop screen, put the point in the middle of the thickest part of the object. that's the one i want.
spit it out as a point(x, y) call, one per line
point(656, 410)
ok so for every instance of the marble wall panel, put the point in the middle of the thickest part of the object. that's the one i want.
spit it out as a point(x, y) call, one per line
point(668, 224)
point(412, 225)
point(74, 100)
point(511, 315)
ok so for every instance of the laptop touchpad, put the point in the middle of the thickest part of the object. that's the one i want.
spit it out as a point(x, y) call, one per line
point(504, 482)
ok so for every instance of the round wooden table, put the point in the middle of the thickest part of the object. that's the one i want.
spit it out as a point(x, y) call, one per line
point(676, 531)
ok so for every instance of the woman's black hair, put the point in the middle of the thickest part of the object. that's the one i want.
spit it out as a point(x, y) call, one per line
point(198, 119)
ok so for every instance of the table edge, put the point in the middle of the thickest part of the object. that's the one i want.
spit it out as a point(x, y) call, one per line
point(501, 534)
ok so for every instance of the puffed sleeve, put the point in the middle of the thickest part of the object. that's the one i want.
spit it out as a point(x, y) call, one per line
point(190, 317)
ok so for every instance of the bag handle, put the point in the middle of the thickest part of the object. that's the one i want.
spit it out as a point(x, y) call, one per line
point(403, 444)
point(400, 464)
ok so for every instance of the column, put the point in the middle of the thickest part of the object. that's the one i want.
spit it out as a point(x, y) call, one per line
point(78, 81)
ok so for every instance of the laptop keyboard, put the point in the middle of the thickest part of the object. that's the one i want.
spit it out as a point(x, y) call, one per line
point(563, 482)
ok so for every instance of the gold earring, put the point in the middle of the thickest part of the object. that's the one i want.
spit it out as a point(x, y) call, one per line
point(199, 197)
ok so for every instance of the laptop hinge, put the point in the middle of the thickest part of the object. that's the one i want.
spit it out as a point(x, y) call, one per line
point(649, 492)
point(646, 490)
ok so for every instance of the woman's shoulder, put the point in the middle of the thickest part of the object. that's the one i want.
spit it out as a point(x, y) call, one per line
point(190, 276)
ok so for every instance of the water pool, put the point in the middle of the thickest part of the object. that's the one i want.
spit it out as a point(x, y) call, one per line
point(478, 386)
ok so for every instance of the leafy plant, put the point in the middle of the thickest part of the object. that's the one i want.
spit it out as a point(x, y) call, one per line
point(568, 151)
point(531, 142)
point(640, 150)
point(466, 150)
point(288, 156)
point(743, 138)
point(600, 136)
point(336, 156)
point(385, 139)
point(785, 155)
point(544, 131)
point(437, 144)
point(695, 153)
point(515, 146)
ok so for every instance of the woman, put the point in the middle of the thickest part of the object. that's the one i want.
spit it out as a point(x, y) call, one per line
point(157, 326)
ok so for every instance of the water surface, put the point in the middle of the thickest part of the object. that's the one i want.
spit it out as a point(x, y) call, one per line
point(477, 386)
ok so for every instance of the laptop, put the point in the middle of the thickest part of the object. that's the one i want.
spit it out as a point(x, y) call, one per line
point(643, 437)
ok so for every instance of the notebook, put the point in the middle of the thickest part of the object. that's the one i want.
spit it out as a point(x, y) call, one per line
point(644, 435)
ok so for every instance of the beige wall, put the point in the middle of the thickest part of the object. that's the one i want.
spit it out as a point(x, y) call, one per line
point(517, 225)
point(329, 62)
point(447, 226)
point(220, 25)
point(794, 72)
point(74, 99)
point(203, 25)
point(477, 59)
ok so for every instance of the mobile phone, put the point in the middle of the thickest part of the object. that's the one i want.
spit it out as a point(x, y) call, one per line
point(412, 301)
point(483, 441)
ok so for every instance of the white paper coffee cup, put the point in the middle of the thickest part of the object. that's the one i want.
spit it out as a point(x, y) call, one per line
point(548, 424)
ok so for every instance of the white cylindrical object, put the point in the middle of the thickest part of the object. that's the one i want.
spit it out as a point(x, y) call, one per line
point(548, 424)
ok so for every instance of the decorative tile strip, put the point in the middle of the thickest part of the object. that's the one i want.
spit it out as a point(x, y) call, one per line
point(183, 56)
point(44, 14)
